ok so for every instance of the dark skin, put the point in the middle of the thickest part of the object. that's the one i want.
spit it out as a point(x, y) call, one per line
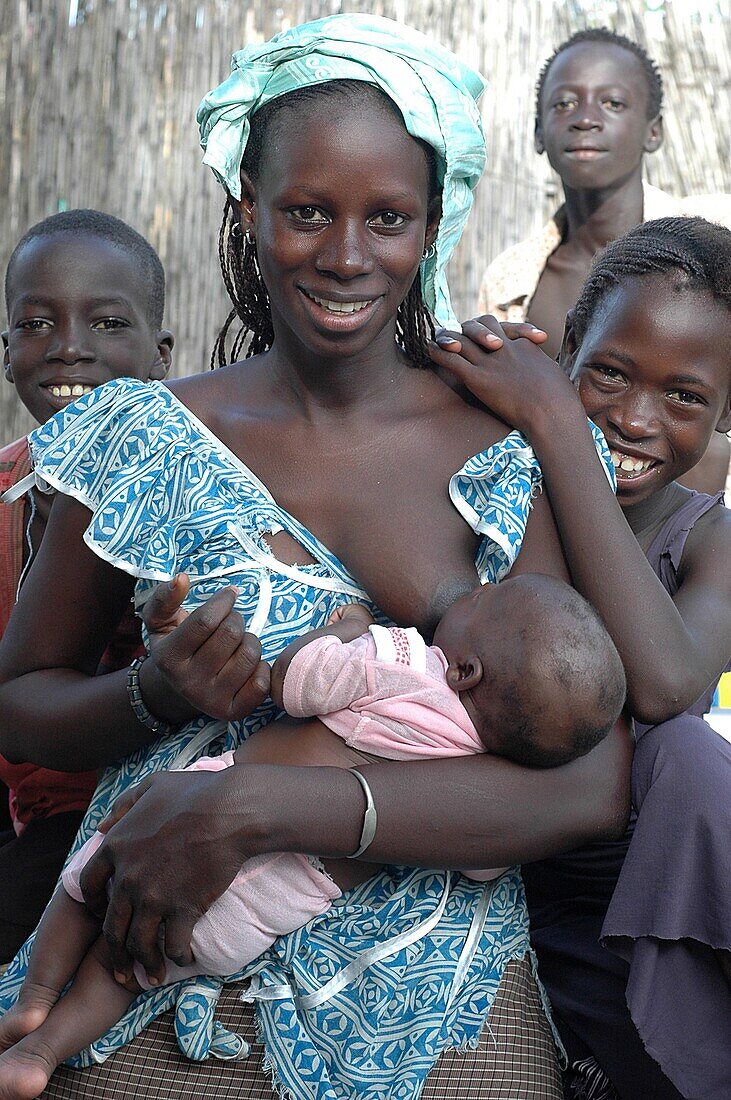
point(77, 317)
point(594, 128)
point(653, 372)
point(373, 443)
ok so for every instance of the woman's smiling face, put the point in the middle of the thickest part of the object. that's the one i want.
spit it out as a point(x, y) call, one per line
point(654, 373)
point(341, 214)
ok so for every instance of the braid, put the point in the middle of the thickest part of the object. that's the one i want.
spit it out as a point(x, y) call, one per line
point(415, 326)
point(698, 252)
point(245, 286)
point(237, 254)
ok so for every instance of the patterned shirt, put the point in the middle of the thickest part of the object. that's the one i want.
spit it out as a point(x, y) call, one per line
point(362, 1000)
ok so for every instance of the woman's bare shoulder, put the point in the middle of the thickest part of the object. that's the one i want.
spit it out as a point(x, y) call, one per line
point(464, 412)
point(208, 394)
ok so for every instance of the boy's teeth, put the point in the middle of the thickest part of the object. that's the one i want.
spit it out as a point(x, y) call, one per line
point(340, 307)
point(78, 390)
point(630, 465)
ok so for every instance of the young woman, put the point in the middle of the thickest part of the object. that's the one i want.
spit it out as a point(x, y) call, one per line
point(647, 349)
point(315, 473)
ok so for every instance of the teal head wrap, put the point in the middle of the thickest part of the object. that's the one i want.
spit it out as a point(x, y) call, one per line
point(434, 91)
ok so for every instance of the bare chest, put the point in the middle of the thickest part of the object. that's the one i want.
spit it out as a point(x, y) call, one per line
point(557, 291)
point(385, 512)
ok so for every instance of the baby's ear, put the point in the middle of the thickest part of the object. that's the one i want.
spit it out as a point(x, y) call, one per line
point(6, 358)
point(161, 366)
point(465, 675)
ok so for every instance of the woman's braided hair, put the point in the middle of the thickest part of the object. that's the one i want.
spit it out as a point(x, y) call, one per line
point(697, 252)
point(238, 259)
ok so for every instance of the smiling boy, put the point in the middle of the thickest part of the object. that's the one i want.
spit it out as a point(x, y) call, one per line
point(85, 296)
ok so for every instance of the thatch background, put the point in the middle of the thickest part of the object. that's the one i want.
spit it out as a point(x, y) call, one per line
point(97, 100)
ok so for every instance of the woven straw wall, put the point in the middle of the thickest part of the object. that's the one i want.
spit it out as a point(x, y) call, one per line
point(98, 97)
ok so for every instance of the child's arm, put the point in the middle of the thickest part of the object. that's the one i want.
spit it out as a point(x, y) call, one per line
point(672, 649)
point(347, 624)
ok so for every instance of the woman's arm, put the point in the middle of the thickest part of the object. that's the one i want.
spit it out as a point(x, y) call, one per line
point(467, 812)
point(55, 712)
point(464, 813)
point(672, 649)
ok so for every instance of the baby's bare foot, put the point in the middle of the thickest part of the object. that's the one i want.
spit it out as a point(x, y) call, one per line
point(24, 1073)
point(28, 1013)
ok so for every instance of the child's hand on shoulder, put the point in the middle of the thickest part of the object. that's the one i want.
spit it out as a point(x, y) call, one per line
point(504, 367)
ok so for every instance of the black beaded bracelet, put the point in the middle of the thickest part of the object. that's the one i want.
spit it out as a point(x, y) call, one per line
point(137, 703)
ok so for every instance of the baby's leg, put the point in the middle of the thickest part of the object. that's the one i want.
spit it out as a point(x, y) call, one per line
point(92, 1004)
point(66, 932)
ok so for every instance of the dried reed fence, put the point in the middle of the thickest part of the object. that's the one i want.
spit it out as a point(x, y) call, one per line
point(98, 98)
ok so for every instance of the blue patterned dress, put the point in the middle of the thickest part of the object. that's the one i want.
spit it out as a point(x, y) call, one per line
point(362, 1000)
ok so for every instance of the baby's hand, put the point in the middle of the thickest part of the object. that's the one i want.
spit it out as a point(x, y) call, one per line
point(347, 623)
point(352, 611)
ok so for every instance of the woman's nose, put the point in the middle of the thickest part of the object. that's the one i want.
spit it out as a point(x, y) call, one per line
point(346, 251)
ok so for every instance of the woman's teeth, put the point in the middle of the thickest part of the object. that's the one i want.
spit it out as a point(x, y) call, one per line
point(69, 391)
point(630, 465)
point(340, 307)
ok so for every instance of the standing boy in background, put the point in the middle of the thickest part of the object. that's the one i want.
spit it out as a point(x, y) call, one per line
point(85, 295)
point(598, 111)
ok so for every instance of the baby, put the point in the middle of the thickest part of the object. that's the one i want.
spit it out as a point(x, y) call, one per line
point(542, 692)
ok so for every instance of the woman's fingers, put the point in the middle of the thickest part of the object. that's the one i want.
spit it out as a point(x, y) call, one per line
point(227, 633)
point(188, 637)
point(178, 933)
point(210, 659)
point(93, 881)
point(145, 934)
point(165, 862)
point(123, 805)
point(163, 611)
point(253, 692)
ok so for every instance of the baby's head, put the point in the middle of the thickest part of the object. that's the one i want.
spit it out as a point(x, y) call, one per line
point(535, 668)
point(85, 295)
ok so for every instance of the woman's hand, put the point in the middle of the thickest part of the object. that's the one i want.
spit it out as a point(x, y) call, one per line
point(504, 368)
point(204, 662)
point(172, 847)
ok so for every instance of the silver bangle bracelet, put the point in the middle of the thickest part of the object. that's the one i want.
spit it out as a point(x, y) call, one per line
point(370, 820)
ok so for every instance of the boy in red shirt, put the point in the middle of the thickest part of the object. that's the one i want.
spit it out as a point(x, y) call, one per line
point(85, 295)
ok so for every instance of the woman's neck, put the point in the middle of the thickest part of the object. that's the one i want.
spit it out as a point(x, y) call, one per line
point(321, 387)
point(596, 217)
